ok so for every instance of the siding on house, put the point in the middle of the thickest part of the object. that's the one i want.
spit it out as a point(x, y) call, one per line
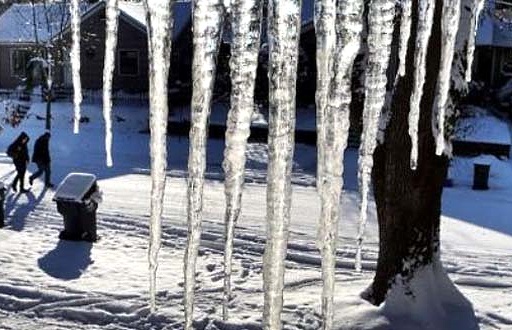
point(93, 54)
point(7, 78)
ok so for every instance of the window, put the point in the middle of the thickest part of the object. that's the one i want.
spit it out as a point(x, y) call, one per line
point(128, 63)
point(19, 61)
point(506, 63)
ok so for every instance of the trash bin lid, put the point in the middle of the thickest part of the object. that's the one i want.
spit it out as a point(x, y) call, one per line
point(74, 187)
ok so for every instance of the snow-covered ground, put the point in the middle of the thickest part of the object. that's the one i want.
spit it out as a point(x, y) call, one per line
point(50, 284)
point(482, 126)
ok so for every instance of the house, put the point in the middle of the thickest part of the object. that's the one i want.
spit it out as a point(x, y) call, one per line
point(131, 71)
point(493, 53)
point(19, 37)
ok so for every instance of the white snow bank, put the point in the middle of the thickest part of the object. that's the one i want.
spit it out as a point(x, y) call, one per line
point(105, 285)
point(482, 127)
point(429, 302)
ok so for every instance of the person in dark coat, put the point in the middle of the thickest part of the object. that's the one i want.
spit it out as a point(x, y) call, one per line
point(41, 158)
point(18, 151)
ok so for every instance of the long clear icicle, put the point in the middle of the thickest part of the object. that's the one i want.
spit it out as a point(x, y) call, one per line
point(208, 16)
point(75, 63)
point(425, 19)
point(284, 32)
point(380, 35)
point(348, 27)
point(112, 13)
point(159, 22)
point(246, 26)
point(405, 34)
point(325, 18)
point(449, 28)
point(476, 9)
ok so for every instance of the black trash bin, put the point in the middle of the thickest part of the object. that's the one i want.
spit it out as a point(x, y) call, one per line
point(481, 176)
point(2, 201)
point(77, 199)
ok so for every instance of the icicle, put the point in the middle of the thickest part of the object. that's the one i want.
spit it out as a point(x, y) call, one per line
point(405, 34)
point(75, 63)
point(112, 13)
point(208, 18)
point(380, 34)
point(449, 28)
point(246, 24)
point(336, 125)
point(476, 9)
point(159, 23)
point(284, 33)
point(325, 17)
point(425, 18)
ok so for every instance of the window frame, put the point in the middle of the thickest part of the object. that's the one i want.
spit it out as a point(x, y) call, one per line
point(506, 57)
point(119, 72)
point(12, 69)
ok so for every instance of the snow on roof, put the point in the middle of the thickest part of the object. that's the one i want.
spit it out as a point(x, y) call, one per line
point(17, 22)
point(136, 11)
point(483, 127)
point(494, 28)
point(74, 187)
point(308, 11)
point(182, 17)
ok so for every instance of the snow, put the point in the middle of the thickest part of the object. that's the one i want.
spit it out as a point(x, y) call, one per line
point(482, 126)
point(74, 187)
point(17, 22)
point(181, 14)
point(485, 31)
point(55, 285)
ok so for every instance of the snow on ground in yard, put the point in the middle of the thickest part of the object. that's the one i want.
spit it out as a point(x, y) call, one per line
point(50, 284)
point(219, 116)
point(481, 126)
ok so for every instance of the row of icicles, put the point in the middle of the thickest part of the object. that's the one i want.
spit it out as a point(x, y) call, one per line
point(338, 26)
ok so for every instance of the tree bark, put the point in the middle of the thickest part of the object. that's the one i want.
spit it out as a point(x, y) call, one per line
point(408, 202)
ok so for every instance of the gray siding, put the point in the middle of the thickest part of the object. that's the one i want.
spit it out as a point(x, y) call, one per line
point(93, 52)
point(7, 80)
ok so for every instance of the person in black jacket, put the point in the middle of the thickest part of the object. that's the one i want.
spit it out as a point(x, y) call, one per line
point(41, 157)
point(18, 151)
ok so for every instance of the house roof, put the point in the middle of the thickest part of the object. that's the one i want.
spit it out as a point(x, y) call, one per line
point(308, 12)
point(134, 13)
point(17, 22)
point(495, 27)
point(21, 17)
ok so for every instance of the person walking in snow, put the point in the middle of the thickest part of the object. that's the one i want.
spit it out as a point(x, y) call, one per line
point(41, 158)
point(18, 151)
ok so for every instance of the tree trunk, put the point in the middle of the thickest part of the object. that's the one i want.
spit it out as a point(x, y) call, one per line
point(408, 202)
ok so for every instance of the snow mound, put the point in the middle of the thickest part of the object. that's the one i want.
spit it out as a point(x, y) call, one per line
point(429, 301)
